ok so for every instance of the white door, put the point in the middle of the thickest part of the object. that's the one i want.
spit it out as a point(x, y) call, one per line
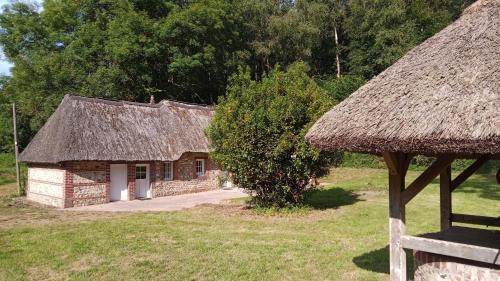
point(142, 189)
point(118, 175)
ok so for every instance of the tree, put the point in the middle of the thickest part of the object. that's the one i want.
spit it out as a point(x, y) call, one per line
point(279, 32)
point(381, 31)
point(257, 134)
point(116, 49)
point(187, 50)
point(204, 47)
point(340, 88)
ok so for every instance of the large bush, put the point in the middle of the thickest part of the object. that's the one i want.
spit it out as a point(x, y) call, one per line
point(258, 130)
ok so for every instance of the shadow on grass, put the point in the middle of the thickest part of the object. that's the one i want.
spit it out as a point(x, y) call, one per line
point(330, 198)
point(484, 185)
point(378, 261)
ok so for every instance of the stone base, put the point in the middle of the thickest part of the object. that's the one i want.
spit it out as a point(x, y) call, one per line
point(433, 267)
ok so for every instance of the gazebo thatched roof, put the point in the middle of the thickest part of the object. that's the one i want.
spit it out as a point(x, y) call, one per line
point(94, 129)
point(441, 97)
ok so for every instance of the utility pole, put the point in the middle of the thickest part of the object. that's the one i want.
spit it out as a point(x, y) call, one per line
point(16, 148)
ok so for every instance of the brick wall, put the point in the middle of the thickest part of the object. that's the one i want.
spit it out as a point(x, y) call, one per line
point(131, 180)
point(185, 179)
point(430, 267)
point(87, 183)
point(83, 183)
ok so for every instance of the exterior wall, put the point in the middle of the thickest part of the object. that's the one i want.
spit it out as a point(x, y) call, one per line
point(90, 183)
point(185, 179)
point(131, 180)
point(82, 183)
point(46, 185)
point(430, 267)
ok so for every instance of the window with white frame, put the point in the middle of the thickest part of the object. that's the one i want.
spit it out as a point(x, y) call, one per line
point(200, 167)
point(140, 172)
point(169, 171)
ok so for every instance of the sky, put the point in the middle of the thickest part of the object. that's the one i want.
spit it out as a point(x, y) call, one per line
point(4, 64)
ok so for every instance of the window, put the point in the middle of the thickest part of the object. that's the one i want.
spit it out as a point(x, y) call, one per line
point(140, 172)
point(169, 171)
point(200, 167)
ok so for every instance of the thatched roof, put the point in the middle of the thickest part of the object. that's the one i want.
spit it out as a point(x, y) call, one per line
point(94, 129)
point(441, 97)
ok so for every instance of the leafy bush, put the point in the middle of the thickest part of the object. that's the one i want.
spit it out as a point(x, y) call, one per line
point(341, 88)
point(257, 134)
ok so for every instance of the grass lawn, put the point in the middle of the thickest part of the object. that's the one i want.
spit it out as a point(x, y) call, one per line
point(343, 237)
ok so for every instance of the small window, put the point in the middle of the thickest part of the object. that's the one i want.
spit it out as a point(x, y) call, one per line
point(169, 171)
point(140, 172)
point(200, 167)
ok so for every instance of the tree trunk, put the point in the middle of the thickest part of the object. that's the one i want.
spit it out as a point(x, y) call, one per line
point(337, 58)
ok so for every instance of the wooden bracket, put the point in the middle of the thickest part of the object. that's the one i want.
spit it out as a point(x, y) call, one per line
point(397, 163)
point(391, 161)
point(426, 177)
point(469, 171)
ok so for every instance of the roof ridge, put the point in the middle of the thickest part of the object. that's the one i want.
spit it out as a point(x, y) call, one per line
point(186, 104)
point(123, 102)
point(109, 101)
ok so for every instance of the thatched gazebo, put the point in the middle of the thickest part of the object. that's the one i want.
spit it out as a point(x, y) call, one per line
point(442, 99)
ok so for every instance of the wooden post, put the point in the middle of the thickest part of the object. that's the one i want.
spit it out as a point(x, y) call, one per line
point(16, 149)
point(445, 197)
point(397, 218)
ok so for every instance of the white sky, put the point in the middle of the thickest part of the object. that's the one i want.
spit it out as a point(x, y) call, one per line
point(5, 65)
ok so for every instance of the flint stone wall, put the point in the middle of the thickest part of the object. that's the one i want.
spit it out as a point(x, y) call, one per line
point(90, 182)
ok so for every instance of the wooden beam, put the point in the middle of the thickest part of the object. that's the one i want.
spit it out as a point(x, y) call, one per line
point(397, 162)
point(426, 177)
point(397, 227)
point(469, 171)
point(445, 197)
point(452, 249)
point(391, 160)
point(479, 220)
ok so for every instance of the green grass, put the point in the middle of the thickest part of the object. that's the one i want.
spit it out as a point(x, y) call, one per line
point(342, 235)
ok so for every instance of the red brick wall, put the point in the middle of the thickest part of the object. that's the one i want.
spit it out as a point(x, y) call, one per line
point(430, 266)
point(131, 180)
point(68, 189)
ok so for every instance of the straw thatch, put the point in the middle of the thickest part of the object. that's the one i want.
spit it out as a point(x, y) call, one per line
point(441, 97)
point(93, 129)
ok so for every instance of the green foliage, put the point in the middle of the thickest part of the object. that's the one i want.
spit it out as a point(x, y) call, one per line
point(418, 163)
point(187, 50)
point(357, 160)
point(340, 88)
point(7, 168)
point(258, 130)
point(381, 31)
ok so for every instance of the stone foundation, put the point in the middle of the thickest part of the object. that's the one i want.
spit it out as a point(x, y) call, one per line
point(433, 267)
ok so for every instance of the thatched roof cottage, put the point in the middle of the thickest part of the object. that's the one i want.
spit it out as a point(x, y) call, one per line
point(93, 151)
point(441, 99)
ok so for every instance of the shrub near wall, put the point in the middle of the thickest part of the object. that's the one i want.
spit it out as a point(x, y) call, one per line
point(258, 130)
